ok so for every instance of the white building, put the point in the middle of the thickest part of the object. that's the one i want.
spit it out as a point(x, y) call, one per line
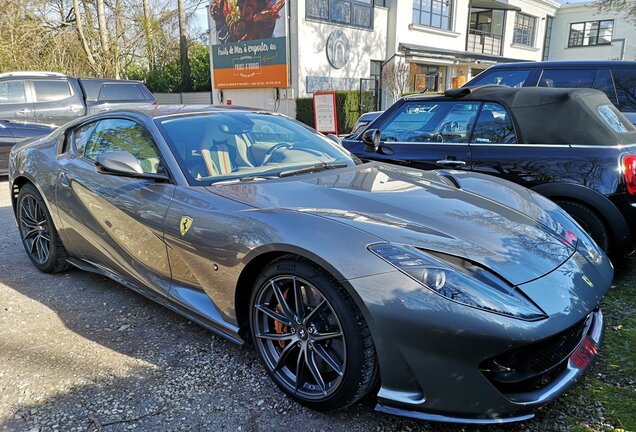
point(582, 32)
point(344, 45)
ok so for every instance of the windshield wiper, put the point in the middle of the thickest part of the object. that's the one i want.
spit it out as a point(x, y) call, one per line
point(314, 168)
point(246, 179)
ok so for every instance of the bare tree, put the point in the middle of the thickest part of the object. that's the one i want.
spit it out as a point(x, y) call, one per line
point(183, 46)
point(398, 78)
point(625, 7)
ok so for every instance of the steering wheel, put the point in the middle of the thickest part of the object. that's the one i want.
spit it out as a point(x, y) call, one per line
point(274, 149)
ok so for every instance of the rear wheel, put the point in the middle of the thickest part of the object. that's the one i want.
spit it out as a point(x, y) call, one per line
point(589, 220)
point(39, 236)
point(311, 336)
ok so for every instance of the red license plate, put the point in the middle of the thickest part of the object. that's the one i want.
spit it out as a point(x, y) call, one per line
point(584, 354)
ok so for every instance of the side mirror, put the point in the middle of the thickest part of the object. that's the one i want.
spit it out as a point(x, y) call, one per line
point(124, 164)
point(335, 138)
point(371, 139)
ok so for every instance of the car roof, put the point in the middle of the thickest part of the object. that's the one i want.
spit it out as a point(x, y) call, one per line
point(560, 64)
point(163, 111)
point(549, 115)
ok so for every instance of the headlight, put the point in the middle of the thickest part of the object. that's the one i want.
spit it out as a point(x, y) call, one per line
point(460, 281)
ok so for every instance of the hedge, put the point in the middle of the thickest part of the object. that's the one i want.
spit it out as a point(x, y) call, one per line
point(348, 109)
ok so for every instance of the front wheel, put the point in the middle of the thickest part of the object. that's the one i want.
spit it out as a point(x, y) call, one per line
point(39, 236)
point(311, 336)
point(589, 220)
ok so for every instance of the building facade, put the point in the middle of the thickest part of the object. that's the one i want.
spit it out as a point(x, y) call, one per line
point(348, 44)
point(582, 32)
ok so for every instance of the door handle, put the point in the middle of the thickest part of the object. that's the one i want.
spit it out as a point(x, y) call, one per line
point(64, 181)
point(451, 162)
point(23, 111)
point(74, 108)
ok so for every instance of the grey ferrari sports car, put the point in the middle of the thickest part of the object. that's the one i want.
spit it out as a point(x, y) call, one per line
point(449, 295)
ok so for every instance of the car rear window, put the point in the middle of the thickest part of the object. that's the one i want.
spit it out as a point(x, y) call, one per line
point(568, 78)
point(510, 78)
point(612, 117)
point(625, 82)
point(122, 92)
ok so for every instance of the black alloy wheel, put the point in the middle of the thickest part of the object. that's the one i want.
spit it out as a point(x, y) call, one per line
point(311, 336)
point(38, 234)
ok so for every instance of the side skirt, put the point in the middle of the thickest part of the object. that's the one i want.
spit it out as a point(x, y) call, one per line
point(224, 329)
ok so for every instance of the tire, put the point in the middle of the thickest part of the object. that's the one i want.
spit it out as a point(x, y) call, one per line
point(589, 220)
point(289, 340)
point(37, 232)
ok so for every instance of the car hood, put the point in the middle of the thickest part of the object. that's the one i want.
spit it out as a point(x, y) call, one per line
point(456, 213)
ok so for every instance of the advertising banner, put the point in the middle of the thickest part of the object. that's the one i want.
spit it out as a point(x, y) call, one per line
point(249, 43)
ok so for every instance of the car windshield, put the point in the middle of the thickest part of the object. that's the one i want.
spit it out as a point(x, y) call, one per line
point(224, 146)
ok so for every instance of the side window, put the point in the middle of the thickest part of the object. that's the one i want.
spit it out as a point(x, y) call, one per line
point(123, 135)
point(434, 121)
point(568, 78)
point(510, 78)
point(12, 92)
point(121, 92)
point(82, 135)
point(494, 126)
point(51, 90)
point(625, 82)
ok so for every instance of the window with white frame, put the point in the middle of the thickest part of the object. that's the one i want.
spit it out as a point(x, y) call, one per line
point(524, 30)
point(433, 13)
point(591, 33)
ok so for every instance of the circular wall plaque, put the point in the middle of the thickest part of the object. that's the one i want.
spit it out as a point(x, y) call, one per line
point(338, 49)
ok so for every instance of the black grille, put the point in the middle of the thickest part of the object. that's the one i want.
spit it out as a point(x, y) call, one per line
point(531, 365)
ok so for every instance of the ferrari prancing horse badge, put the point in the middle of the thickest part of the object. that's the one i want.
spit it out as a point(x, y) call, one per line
point(186, 223)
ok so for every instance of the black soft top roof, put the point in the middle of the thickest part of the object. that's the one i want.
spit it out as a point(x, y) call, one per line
point(553, 115)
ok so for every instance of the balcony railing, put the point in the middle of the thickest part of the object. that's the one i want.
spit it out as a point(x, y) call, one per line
point(484, 43)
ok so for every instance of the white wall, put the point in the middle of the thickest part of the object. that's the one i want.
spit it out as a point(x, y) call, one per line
point(310, 59)
point(623, 46)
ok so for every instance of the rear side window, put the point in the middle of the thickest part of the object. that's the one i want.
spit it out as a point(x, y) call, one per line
point(612, 117)
point(510, 78)
point(434, 121)
point(123, 135)
point(51, 90)
point(121, 92)
point(12, 92)
point(82, 135)
point(625, 82)
point(568, 78)
point(494, 126)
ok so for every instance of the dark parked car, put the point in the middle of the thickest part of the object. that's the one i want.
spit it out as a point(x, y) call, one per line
point(12, 133)
point(55, 99)
point(571, 145)
point(348, 278)
point(617, 79)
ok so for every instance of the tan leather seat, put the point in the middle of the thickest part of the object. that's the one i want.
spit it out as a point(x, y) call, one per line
point(224, 153)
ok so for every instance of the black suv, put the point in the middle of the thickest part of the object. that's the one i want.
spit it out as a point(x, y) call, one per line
point(571, 145)
point(617, 79)
point(54, 99)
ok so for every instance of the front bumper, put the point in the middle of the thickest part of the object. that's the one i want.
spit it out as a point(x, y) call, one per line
point(430, 349)
point(574, 366)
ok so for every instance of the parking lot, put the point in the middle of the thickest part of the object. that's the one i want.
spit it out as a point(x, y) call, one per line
point(80, 352)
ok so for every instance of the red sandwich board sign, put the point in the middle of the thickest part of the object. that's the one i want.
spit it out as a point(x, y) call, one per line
point(325, 112)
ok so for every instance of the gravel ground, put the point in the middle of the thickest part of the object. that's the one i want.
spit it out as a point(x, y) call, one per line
point(80, 352)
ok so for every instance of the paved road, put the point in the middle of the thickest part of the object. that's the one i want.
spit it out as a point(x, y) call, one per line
point(80, 352)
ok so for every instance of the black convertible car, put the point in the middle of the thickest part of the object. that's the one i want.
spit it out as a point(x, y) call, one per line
point(571, 145)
